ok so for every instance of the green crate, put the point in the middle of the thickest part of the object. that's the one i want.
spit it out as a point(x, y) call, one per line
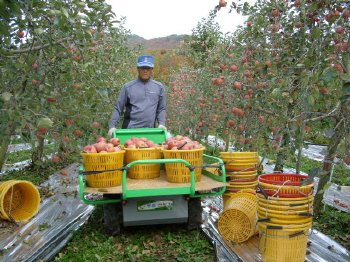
point(157, 135)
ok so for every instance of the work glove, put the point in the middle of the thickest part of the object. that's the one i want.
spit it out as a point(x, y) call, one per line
point(111, 131)
point(162, 127)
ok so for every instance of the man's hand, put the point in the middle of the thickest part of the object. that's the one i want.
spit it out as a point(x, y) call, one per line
point(111, 131)
point(162, 127)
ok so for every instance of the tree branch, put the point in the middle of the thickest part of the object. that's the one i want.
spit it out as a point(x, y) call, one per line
point(35, 48)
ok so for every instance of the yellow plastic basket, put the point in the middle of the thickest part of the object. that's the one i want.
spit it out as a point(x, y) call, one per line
point(307, 208)
point(104, 161)
point(237, 221)
point(143, 171)
point(284, 219)
point(286, 244)
point(178, 172)
point(285, 190)
point(286, 200)
point(236, 176)
point(19, 200)
point(229, 193)
point(240, 155)
point(248, 186)
point(237, 161)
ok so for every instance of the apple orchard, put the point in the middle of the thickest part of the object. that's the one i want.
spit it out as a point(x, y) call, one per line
point(283, 75)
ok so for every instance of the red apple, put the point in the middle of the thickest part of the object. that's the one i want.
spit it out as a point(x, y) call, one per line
point(178, 137)
point(20, 34)
point(237, 85)
point(89, 149)
point(140, 143)
point(101, 139)
point(150, 143)
point(173, 143)
point(347, 160)
point(234, 68)
point(77, 132)
point(115, 141)
point(109, 147)
point(222, 3)
point(117, 149)
point(100, 146)
point(95, 124)
point(128, 143)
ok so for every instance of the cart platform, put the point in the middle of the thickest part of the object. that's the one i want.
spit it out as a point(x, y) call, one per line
point(206, 183)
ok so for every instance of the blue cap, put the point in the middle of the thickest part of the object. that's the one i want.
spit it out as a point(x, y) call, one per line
point(145, 60)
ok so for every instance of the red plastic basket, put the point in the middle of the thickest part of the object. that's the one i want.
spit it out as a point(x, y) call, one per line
point(283, 179)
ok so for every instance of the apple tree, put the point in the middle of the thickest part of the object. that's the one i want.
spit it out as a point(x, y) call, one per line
point(63, 63)
point(283, 73)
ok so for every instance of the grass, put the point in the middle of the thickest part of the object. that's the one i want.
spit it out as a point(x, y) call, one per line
point(163, 242)
point(138, 243)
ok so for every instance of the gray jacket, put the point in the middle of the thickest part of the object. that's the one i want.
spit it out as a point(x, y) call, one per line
point(144, 104)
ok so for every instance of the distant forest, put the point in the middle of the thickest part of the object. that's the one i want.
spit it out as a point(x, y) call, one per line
point(167, 43)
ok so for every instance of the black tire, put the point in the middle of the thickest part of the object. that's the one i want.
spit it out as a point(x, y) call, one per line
point(113, 215)
point(194, 213)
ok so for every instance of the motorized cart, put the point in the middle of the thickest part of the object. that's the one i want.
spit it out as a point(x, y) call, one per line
point(154, 200)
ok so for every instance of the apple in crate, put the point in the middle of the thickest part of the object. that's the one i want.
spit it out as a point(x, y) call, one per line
point(100, 146)
point(115, 141)
point(89, 149)
point(109, 147)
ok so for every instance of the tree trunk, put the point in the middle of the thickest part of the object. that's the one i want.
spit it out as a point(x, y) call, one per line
point(5, 143)
point(37, 156)
point(339, 134)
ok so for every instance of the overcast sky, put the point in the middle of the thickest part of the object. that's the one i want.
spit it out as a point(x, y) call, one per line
point(159, 18)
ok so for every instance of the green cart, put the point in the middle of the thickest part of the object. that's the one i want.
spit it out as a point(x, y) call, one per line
point(155, 201)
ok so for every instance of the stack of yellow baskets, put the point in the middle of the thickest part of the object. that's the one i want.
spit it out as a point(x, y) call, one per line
point(241, 169)
point(284, 216)
point(237, 222)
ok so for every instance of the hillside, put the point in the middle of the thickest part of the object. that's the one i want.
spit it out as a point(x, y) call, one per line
point(168, 42)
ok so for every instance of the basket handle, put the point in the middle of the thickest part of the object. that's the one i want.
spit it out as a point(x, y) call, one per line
point(297, 234)
point(274, 227)
point(180, 146)
point(262, 191)
point(295, 205)
point(306, 214)
point(82, 172)
point(264, 219)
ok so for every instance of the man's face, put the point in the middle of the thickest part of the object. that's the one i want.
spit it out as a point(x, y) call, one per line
point(145, 72)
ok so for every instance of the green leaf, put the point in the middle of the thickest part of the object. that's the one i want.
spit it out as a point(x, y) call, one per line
point(6, 96)
point(328, 75)
point(307, 62)
point(80, 4)
point(315, 33)
point(346, 87)
point(45, 122)
point(344, 98)
point(313, 173)
point(39, 31)
point(64, 12)
point(311, 100)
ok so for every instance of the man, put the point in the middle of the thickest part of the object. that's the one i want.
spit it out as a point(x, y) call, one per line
point(143, 100)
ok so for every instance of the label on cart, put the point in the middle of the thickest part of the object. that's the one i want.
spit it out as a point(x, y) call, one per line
point(152, 205)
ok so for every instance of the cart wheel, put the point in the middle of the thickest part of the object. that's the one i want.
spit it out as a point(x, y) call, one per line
point(113, 214)
point(194, 213)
